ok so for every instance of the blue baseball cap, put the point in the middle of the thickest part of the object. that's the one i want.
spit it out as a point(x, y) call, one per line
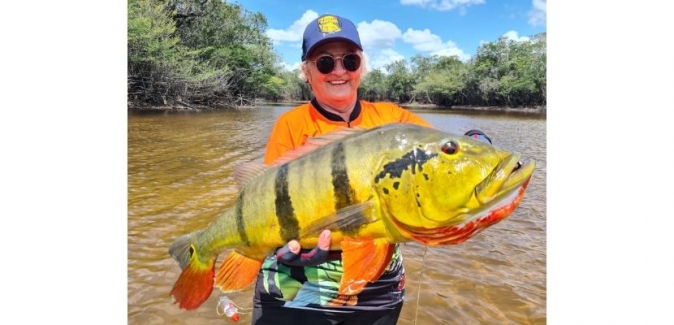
point(328, 28)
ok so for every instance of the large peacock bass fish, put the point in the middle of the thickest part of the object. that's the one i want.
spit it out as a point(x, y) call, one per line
point(372, 188)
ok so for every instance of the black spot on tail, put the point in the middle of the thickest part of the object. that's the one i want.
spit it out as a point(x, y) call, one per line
point(285, 212)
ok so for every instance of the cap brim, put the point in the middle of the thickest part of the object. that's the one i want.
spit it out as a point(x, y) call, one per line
point(330, 40)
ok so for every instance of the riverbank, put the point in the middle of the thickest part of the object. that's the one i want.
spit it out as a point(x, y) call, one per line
point(199, 108)
point(540, 109)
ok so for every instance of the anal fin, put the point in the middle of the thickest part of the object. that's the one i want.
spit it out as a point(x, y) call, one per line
point(237, 272)
point(363, 261)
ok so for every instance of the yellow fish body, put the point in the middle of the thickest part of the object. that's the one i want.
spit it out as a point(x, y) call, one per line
point(372, 188)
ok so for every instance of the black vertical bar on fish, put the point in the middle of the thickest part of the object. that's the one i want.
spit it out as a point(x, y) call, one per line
point(340, 178)
point(289, 226)
point(240, 225)
point(344, 193)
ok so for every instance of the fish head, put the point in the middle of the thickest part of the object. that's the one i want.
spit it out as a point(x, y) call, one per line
point(441, 188)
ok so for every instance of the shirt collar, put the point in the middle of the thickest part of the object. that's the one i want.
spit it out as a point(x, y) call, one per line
point(335, 117)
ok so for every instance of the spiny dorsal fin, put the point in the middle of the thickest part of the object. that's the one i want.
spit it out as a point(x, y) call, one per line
point(245, 172)
point(317, 142)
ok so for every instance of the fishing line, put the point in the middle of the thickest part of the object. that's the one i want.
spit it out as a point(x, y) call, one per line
point(421, 273)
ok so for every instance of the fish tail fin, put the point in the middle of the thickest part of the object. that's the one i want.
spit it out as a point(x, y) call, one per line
point(195, 283)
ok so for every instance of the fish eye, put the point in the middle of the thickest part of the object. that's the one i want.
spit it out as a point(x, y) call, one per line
point(450, 148)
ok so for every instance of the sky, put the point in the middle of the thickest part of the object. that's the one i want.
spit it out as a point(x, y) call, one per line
point(399, 29)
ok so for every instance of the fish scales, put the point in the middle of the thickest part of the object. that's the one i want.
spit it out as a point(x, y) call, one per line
point(337, 178)
point(372, 188)
point(312, 175)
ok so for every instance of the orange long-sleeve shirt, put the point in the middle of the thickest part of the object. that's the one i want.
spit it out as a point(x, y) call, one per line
point(293, 127)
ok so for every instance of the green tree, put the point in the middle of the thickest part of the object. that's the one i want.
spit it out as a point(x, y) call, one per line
point(210, 53)
point(154, 54)
point(445, 82)
point(234, 55)
point(508, 72)
point(373, 87)
point(293, 88)
point(400, 81)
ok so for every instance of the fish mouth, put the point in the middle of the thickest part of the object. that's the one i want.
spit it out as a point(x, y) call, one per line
point(509, 174)
point(496, 196)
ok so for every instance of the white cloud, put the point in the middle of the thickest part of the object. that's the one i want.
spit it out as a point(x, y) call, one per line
point(290, 67)
point(295, 32)
point(425, 41)
point(511, 35)
point(422, 40)
point(443, 5)
point(378, 59)
point(378, 34)
point(378, 39)
point(514, 36)
point(538, 14)
point(452, 50)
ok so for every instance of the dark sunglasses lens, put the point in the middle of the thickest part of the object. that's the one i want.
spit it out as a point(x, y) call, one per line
point(325, 64)
point(351, 62)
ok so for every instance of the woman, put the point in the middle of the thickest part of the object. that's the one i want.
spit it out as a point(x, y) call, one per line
point(296, 286)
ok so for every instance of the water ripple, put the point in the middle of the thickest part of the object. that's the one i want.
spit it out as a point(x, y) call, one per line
point(180, 178)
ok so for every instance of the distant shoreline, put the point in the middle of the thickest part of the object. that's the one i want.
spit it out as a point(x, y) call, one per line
point(478, 108)
point(197, 108)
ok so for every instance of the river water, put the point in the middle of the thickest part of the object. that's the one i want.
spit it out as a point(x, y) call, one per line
point(180, 178)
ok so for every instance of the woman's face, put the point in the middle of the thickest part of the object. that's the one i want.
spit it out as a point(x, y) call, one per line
point(337, 89)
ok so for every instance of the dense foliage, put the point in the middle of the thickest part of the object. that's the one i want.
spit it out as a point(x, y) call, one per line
point(502, 73)
point(198, 53)
point(212, 54)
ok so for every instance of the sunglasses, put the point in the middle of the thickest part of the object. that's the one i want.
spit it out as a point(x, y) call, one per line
point(326, 63)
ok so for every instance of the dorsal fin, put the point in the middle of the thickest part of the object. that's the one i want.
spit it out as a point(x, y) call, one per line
point(315, 143)
point(245, 172)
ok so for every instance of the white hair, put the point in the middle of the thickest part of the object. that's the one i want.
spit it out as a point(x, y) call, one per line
point(363, 66)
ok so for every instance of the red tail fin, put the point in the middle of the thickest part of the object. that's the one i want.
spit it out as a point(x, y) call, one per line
point(194, 285)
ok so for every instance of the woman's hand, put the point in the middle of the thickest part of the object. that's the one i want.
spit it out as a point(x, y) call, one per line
point(291, 253)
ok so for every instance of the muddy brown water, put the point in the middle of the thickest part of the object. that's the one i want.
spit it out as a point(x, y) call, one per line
point(180, 178)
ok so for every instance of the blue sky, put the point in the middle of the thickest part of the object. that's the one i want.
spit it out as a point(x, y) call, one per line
point(399, 29)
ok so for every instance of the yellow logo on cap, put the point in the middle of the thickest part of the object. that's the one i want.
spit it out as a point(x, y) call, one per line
point(329, 24)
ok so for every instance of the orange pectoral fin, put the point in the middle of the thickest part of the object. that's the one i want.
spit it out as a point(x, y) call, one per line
point(194, 285)
point(236, 272)
point(363, 261)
